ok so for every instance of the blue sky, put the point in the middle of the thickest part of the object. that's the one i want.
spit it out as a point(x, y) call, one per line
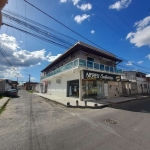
point(121, 27)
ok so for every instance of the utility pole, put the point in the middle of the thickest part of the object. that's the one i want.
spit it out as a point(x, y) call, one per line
point(29, 79)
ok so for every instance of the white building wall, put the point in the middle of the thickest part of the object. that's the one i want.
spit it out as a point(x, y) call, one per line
point(106, 89)
point(7, 86)
point(60, 89)
point(140, 85)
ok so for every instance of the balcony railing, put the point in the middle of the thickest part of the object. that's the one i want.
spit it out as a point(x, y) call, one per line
point(85, 64)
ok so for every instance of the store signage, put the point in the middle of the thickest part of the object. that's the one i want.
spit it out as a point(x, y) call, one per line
point(101, 76)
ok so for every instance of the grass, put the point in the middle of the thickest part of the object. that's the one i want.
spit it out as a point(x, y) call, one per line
point(4, 107)
point(30, 91)
point(1, 96)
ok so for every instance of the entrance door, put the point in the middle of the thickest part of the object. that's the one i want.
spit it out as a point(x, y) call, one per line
point(73, 88)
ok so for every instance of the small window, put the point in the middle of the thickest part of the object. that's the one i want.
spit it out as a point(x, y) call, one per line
point(90, 59)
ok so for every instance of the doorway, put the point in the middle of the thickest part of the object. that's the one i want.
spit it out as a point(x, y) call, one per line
point(73, 88)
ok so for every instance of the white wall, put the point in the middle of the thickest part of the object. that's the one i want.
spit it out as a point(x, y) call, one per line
point(60, 89)
point(2, 86)
point(106, 89)
point(7, 86)
point(139, 82)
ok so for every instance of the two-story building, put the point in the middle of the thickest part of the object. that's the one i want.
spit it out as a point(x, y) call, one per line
point(134, 82)
point(148, 82)
point(82, 72)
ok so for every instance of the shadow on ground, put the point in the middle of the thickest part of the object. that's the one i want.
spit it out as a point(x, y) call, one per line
point(142, 106)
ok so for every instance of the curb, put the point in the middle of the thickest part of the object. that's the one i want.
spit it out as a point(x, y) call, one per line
point(4, 104)
point(53, 101)
point(83, 107)
point(128, 101)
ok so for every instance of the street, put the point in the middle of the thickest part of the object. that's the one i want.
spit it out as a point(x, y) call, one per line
point(33, 123)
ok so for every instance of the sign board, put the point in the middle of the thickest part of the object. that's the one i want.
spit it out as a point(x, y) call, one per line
point(100, 76)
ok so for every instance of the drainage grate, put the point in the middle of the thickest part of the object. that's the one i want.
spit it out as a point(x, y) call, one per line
point(111, 121)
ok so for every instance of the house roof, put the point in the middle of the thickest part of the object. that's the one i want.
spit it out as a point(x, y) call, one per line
point(14, 82)
point(136, 72)
point(31, 83)
point(87, 48)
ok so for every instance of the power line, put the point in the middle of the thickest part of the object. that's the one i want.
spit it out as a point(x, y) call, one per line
point(108, 25)
point(8, 61)
point(75, 31)
point(38, 24)
point(37, 36)
point(119, 16)
point(108, 17)
point(39, 30)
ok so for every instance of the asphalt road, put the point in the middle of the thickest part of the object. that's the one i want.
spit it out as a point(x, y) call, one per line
point(33, 123)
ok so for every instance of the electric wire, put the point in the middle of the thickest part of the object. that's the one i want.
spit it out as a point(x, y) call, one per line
point(76, 32)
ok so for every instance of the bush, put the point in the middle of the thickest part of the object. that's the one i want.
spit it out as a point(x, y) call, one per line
point(1, 96)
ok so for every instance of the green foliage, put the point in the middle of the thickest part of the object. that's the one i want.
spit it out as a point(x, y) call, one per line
point(1, 96)
point(30, 91)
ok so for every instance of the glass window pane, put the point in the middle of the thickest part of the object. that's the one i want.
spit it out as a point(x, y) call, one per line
point(90, 59)
point(82, 62)
point(107, 68)
point(111, 69)
point(89, 64)
point(96, 66)
point(101, 67)
point(76, 62)
point(115, 70)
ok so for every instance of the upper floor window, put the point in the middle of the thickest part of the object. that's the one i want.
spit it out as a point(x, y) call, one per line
point(90, 59)
point(138, 75)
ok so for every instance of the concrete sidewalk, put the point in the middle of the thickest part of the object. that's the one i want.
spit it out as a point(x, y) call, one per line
point(3, 102)
point(90, 102)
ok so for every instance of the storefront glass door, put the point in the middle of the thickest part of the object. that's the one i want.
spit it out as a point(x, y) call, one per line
point(73, 88)
point(92, 89)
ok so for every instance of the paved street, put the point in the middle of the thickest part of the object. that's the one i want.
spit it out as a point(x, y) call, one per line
point(33, 123)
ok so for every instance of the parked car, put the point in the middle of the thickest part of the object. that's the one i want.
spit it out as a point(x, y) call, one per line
point(11, 92)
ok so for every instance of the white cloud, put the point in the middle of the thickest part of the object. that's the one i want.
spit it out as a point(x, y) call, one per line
point(33, 78)
point(148, 56)
point(148, 75)
point(120, 4)
point(92, 32)
point(75, 2)
point(8, 72)
point(141, 37)
point(19, 58)
point(79, 19)
point(51, 58)
point(63, 1)
point(85, 7)
point(129, 63)
point(140, 62)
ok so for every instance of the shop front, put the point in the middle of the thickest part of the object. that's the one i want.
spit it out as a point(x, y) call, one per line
point(99, 85)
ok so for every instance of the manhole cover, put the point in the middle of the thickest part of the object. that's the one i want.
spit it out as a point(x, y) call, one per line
point(111, 121)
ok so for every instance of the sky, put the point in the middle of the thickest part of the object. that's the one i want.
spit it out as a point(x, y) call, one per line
point(121, 27)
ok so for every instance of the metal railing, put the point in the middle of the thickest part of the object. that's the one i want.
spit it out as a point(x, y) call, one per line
point(85, 64)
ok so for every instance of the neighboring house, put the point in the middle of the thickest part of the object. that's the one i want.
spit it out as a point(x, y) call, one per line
point(5, 85)
point(19, 87)
point(30, 85)
point(38, 88)
point(134, 82)
point(82, 72)
point(14, 84)
point(148, 81)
